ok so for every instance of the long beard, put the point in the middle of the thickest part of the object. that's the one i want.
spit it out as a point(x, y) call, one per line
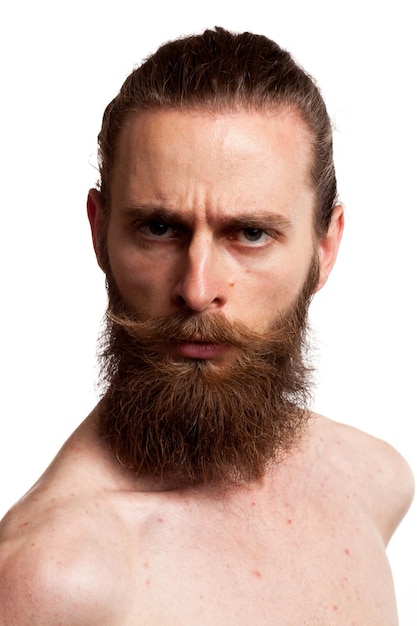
point(191, 422)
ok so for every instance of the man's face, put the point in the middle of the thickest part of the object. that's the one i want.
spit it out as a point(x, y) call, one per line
point(211, 260)
point(211, 212)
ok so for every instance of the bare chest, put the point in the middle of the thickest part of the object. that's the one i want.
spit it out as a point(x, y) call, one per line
point(257, 564)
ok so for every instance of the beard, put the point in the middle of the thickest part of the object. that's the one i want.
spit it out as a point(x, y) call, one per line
point(189, 422)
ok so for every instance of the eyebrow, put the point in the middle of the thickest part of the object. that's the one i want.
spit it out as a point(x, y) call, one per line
point(240, 220)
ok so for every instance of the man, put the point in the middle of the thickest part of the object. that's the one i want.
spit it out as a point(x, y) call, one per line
point(201, 490)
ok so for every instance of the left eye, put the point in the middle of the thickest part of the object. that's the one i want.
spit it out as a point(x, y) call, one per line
point(252, 235)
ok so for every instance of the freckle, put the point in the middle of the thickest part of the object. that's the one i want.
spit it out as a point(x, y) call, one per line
point(347, 551)
point(256, 573)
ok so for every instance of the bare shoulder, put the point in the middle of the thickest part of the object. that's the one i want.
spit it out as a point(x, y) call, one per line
point(46, 575)
point(377, 472)
point(56, 560)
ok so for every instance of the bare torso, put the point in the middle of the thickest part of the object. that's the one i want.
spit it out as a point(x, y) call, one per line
point(90, 545)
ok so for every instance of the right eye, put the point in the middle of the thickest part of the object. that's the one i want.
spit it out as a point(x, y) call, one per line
point(159, 230)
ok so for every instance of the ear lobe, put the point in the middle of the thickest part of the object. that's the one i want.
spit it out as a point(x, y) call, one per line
point(329, 245)
point(96, 219)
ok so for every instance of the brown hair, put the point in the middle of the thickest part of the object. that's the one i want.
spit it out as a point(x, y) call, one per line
point(224, 71)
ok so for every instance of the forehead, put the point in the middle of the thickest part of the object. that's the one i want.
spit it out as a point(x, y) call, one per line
point(194, 157)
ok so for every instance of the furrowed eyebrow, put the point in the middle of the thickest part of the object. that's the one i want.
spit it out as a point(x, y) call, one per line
point(260, 219)
point(152, 212)
point(257, 220)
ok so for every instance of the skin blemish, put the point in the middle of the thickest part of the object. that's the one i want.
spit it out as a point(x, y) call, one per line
point(347, 551)
point(160, 520)
point(148, 582)
point(335, 607)
point(289, 522)
point(146, 565)
point(256, 573)
point(24, 524)
point(253, 503)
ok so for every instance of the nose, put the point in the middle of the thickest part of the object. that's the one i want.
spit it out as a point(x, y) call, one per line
point(200, 284)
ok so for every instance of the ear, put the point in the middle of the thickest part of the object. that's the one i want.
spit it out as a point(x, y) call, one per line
point(329, 245)
point(96, 219)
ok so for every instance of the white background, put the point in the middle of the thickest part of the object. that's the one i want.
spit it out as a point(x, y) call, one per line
point(61, 63)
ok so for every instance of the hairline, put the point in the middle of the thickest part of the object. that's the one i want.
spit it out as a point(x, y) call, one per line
point(225, 107)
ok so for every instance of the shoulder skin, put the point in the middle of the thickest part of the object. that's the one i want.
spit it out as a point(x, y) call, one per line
point(378, 472)
point(54, 569)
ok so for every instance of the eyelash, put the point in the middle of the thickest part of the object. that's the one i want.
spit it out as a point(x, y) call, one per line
point(179, 230)
point(158, 223)
point(263, 233)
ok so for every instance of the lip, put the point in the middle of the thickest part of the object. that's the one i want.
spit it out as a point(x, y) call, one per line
point(200, 349)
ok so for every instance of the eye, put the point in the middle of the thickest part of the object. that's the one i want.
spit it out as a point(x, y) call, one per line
point(159, 230)
point(252, 235)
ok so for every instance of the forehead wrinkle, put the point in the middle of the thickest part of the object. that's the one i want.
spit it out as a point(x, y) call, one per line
point(194, 195)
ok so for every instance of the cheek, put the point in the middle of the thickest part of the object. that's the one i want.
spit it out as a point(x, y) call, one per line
point(144, 285)
point(280, 284)
point(274, 291)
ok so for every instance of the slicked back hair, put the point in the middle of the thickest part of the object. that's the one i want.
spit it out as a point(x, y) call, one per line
point(223, 71)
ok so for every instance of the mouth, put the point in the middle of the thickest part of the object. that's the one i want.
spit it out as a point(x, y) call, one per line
point(196, 349)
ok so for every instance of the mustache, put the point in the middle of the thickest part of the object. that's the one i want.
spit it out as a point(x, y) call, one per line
point(213, 328)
